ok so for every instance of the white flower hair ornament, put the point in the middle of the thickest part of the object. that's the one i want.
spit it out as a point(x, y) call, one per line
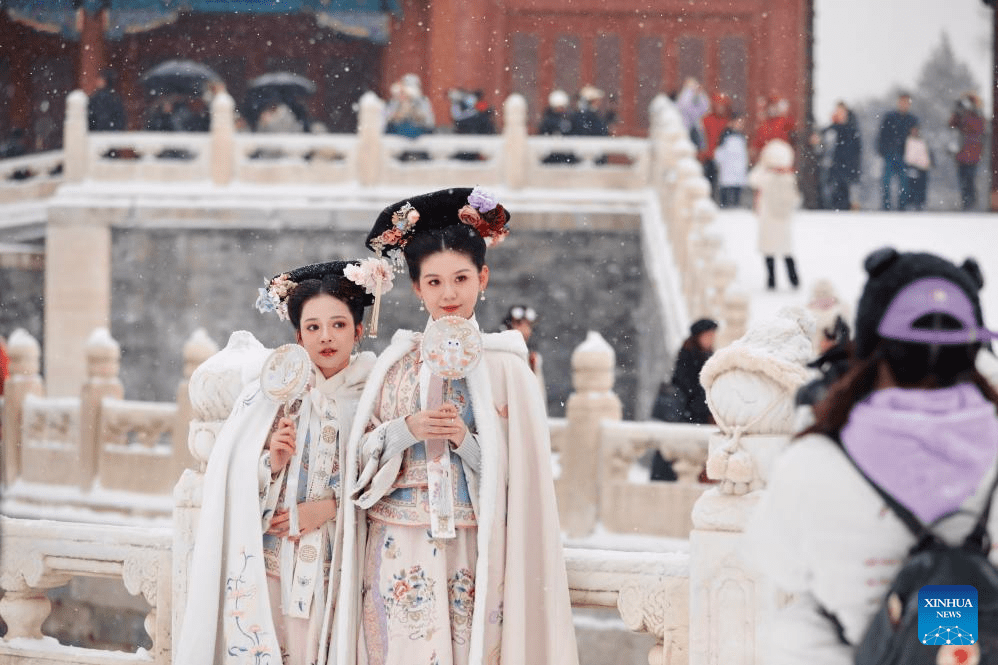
point(274, 296)
point(375, 276)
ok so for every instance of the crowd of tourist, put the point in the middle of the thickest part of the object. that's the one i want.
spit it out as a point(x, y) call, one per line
point(728, 140)
point(718, 132)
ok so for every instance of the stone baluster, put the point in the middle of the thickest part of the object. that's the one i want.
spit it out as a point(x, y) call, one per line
point(103, 363)
point(223, 138)
point(658, 137)
point(24, 379)
point(370, 129)
point(677, 148)
point(24, 579)
point(750, 387)
point(197, 349)
point(514, 137)
point(592, 400)
point(722, 276)
point(735, 315)
point(690, 187)
point(660, 608)
point(213, 389)
point(75, 141)
point(703, 246)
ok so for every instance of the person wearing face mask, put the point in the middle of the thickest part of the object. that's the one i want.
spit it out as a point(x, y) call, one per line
point(264, 570)
point(453, 554)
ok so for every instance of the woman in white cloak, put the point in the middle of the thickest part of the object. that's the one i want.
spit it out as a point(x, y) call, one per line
point(451, 557)
point(263, 576)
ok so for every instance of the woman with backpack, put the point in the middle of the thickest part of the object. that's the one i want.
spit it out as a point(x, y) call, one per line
point(911, 427)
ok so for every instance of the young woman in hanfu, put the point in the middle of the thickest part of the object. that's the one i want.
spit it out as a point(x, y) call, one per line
point(260, 588)
point(453, 556)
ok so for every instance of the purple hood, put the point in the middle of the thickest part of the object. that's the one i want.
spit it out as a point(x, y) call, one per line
point(929, 449)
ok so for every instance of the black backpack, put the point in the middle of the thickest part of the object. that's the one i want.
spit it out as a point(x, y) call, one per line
point(892, 638)
point(671, 404)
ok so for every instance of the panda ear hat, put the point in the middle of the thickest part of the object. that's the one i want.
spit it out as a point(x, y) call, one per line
point(921, 298)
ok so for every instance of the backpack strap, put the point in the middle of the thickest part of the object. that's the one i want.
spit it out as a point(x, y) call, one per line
point(917, 528)
point(978, 537)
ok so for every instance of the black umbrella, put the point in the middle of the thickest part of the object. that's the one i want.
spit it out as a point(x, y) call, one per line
point(286, 84)
point(178, 76)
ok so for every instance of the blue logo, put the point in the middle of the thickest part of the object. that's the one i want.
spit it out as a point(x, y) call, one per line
point(947, 614)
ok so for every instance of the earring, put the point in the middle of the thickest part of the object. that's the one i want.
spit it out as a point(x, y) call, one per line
point(421, 307)
point(482, 296)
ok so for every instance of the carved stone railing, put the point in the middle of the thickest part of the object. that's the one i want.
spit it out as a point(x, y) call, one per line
point(50, 439)
point(370, 156)
point(655, 508)
point(30, 177)
point(649, 590)
point(597, 453)
point(137, 445)
point(39, 555)
point(98, 444)
point(149, 156)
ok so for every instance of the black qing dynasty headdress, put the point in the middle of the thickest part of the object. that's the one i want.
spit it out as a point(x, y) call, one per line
point(399, 222)
point(363, 281)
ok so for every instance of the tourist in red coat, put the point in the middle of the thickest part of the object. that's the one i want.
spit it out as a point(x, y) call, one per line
point(779, 124)
point(969, 122)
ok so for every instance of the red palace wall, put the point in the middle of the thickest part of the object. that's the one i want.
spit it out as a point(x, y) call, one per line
point(632, 49)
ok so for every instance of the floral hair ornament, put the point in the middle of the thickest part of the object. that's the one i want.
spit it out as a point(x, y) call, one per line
point(398, 224)
point(274, 296)
point(397, 236)
point(376, 277)
point(486, 215)
point(277, 290)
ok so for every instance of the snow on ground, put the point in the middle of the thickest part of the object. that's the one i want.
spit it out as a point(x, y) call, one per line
point(833, 245)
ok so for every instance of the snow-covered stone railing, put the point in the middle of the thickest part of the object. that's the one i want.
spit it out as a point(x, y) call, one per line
point(149, 156)
point(656, 508)
point(650, 590)
point(370, 156)
point(96, 440)
point(30, 176)
point(598, 452)
point(688, 210)
point(39, 555)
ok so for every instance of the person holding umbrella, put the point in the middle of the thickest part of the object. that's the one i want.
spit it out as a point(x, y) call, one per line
point(274, 102)
point(176, 84)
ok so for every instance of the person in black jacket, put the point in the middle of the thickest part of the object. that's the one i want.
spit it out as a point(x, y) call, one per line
point(106, 111)
point(844, 168)
point(557, 121)
point(694, 352)
point(894, 132)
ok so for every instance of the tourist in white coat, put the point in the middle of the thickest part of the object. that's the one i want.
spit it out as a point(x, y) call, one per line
point(776, 199)
point(911, 412)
